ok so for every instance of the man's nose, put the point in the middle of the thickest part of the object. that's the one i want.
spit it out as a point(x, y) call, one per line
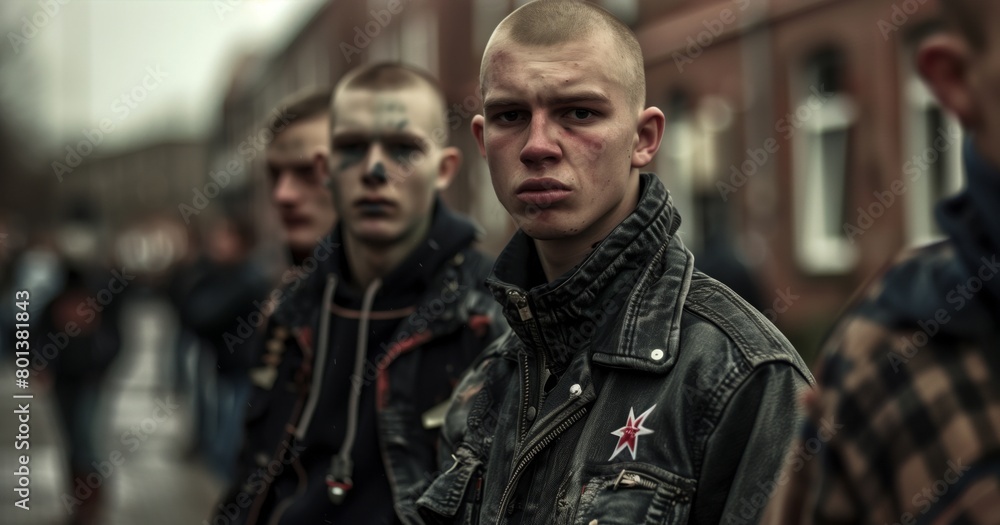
point(375, 170)
point(285, 190)
point(541, 147)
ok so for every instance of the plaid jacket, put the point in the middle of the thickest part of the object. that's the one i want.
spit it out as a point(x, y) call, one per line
point(905, 428)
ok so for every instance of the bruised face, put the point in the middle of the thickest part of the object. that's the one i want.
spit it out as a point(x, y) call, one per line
point(385, 167)
point(298, 188)
point(558, 133)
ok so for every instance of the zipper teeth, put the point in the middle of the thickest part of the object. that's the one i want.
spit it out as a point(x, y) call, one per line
point(527, 398)
point(531, 453)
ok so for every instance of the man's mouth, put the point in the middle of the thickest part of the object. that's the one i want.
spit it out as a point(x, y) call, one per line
point(296, 221)
point(374, 206)
point(542, 192)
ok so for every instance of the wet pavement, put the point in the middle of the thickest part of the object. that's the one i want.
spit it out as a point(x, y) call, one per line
point(145, 479)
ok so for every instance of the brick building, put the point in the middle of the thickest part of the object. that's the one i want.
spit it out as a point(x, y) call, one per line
point(802, 129)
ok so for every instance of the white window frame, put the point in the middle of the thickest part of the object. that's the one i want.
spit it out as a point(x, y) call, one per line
point(816, 250)
point(920, 203)
point(676, 169)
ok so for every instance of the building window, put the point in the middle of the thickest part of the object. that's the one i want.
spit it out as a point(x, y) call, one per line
point(419, 37)
point(820, 126)
point(385, 46)
point(932, 162)
point(676, 165)
point(689, 161)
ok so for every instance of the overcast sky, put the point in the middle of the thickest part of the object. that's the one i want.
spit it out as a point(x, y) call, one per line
point(93, 59)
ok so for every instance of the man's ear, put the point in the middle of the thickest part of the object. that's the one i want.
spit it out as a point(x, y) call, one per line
point(479, 131)
point(321, 168)
point(451, 161)
point(943, 61)
point(648, 136)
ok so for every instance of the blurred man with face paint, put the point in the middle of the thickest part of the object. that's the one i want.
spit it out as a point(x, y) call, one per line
point(360, 362)
point(905, 427)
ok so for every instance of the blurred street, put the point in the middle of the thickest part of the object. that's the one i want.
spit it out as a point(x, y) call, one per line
point(151, 477)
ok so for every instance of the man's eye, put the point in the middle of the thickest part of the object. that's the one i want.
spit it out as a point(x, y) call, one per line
point(404, 152)
point(508, 116)
point(350, 153)
point(351, 148)
point(581, 114)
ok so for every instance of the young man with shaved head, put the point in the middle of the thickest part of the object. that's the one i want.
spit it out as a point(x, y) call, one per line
point(911, 375)
point(634, 389)
point(360, 363)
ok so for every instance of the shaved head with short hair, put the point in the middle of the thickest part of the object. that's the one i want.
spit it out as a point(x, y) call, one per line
point(395, 76)
point(550, 22)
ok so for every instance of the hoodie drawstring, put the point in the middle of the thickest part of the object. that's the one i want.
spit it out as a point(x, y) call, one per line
point(338, 480)
point(321, 351)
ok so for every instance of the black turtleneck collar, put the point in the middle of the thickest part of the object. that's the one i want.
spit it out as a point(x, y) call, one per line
point(595, 287)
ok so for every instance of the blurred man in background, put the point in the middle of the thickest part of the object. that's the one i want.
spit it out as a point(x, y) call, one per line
point(77, 339)
point(635, 390)
point(361, 355)
point(906, 427)
point(298, 190)
point(218, 309)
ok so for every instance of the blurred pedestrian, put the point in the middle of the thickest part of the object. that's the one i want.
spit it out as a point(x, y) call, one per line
point(635, 389)
point(364, 350)
point(906, 426)
point(77, 338)
point(220, 309)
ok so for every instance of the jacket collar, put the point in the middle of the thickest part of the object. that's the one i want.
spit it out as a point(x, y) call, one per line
point(579, 309)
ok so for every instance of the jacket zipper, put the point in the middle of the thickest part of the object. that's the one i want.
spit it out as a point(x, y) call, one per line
point(526, 315)
point(524, 310)
point(628, 479)
point(530, 455)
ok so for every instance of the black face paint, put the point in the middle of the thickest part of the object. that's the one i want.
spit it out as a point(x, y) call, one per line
point(378, 171)
point(377, 174)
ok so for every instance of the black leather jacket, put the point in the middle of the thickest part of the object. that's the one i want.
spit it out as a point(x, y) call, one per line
point(455, 319)
point(670, 400)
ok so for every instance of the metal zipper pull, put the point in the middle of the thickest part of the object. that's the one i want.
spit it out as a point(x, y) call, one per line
point(629, 479)
point(521, 301)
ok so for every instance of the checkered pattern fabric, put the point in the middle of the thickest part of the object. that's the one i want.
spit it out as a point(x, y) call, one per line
point(904, 429)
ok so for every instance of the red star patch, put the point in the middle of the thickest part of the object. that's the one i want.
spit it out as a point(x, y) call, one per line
point(628, 435)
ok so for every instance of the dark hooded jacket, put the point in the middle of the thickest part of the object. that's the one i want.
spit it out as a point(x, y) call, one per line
point(404, 341)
